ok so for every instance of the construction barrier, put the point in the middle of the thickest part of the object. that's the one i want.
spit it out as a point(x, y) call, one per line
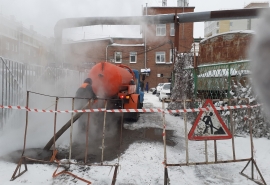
point(87, 109)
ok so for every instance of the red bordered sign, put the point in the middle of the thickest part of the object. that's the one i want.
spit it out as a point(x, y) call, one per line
point(209, 125)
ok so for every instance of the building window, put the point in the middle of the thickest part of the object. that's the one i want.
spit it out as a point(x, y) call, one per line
point(118, 57)
point(7, 45)
point(133, 57)
point(217, 23)
point(172, 30)
point(231, 23)
point(171, 55)
point(160, 57)
point(161, 30)
point(217, 31)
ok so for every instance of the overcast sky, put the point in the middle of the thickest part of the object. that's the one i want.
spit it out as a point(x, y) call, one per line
point(43, 14)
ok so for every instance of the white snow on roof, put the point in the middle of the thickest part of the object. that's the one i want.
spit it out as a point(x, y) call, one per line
point(115, 44)
point(86, 40)
point(231, 32)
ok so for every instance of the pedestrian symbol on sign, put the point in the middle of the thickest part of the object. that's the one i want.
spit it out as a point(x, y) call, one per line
point(209, 125)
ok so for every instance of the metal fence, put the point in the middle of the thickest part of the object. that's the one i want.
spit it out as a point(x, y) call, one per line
point(16, 78)
point(217, 81)
point(230, 84)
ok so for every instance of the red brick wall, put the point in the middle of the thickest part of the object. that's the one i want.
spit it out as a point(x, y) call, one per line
point(128, 40)
point(126, 54)
point(154, 42)
point(96, 51)
point(88, 51)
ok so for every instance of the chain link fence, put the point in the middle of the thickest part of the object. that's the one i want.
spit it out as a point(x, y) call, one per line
point(224, 83)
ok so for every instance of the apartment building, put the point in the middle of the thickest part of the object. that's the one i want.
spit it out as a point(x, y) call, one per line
point(215, 27)
point(23, 44)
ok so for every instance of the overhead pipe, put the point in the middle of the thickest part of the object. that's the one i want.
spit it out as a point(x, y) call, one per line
point(156, 19)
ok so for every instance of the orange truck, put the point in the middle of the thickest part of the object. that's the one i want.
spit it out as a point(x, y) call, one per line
point(118, 82)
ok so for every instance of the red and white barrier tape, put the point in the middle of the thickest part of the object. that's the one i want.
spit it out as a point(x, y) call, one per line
point(130, 110)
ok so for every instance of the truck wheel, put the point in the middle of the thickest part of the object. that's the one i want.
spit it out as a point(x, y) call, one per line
point(136, 115)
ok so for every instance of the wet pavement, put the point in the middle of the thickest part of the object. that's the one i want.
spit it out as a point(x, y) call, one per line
point(112, 148)
point(111, 151)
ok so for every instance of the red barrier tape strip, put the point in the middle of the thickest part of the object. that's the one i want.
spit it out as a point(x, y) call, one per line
point(130, 110)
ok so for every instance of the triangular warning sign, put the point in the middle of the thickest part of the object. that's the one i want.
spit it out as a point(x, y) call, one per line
point(209, 125)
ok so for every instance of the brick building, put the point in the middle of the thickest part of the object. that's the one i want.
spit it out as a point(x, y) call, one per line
point(160, 42)
point(157, 40)
point(212, 28)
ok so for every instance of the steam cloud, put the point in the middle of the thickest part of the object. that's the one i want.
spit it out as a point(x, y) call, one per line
point(260, 59)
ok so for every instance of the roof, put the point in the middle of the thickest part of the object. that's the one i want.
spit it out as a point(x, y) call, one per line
point(257, 5)
point(102, 39)
point(115, 44)
point(172, 7)
point(87, 40)
point(231, 32)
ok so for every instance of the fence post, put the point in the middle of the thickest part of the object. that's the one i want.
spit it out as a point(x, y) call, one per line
point(71, 130)
point(186, 133)
point(103, 132)
point(229, 82)
point(2, 96)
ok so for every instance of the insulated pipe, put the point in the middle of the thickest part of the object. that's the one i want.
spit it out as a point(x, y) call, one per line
point(155, 19)
point(145, 40)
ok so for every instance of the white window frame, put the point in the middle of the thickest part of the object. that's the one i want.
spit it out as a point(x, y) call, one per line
point(115, 55)
point(159, 56)
point(171, 56)
point(133, 54)
point(161, 30)
point(172, 29)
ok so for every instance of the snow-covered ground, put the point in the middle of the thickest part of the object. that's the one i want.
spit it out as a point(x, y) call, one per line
point(141, 163)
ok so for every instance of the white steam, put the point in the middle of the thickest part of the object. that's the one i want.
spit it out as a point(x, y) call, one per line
point(260, 59)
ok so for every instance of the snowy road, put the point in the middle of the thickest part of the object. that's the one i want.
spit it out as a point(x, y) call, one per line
point(141, 162)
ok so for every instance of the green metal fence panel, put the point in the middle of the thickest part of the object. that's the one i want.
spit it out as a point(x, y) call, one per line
point(219, 81)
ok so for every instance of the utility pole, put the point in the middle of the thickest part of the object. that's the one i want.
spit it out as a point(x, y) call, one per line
point(145, 39)
point(164, 3)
